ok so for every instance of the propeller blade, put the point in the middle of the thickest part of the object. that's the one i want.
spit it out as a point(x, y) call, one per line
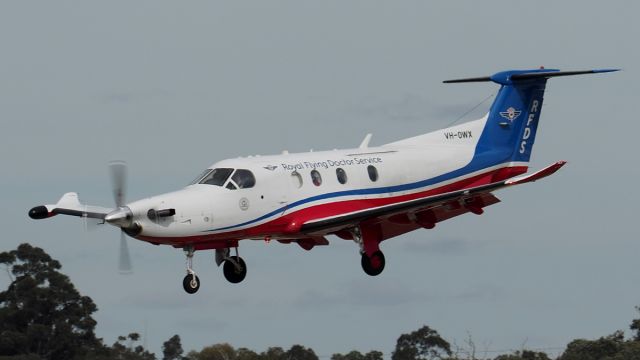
point(118, 170)
point(124, 262)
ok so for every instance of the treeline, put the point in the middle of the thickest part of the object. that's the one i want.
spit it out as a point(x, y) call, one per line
point(43, 316)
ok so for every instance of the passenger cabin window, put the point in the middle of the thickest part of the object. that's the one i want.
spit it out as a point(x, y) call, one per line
point(341, 175)
point(316, 178)
point(373, 173)
point(216, 177)
point(244, 179)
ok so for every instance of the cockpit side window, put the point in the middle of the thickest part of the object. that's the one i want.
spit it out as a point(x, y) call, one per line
point(244, 179)
point(200, 177)
point(217, 177)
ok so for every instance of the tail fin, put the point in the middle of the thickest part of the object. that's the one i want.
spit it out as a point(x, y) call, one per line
point(512, 121)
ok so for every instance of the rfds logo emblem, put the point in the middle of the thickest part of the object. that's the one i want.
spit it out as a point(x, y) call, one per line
point(271, 167)
point(510, 114)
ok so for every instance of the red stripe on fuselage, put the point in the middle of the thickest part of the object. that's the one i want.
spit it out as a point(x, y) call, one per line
point(282, 226)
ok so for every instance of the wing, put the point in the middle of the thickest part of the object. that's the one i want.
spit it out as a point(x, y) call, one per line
point(407, 216)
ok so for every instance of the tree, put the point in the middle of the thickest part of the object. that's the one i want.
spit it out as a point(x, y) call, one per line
point(424, 343)
point(273, 353)
point(352, 355)
point(124, 349)
point(374, 355)
point(172, 349)
point(222, 351)
point(299, 352)
point(602, 348)
point(356, 355)
point(524, 355)
point(635, 326)
point(41, 312)
point(246, 354)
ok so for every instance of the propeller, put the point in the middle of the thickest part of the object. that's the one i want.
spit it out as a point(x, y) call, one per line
point(118, 171)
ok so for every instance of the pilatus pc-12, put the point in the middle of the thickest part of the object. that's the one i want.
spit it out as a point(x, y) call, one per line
point(365, 194)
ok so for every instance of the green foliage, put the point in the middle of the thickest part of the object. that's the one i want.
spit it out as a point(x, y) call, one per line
point(356, 355)
point(43, 317)
point(524, 355)
point(125, 348)
point(273, 353)
point(299, 352)
point(222, 351)
point(172, 349)
point(225, 351)
point(424, 343)
point(630, 351)
point(635, 326)
point(246, 354)
point(41, 312)
point(602, 348)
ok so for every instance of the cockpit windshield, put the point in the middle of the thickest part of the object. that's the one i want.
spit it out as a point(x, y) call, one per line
point(216, 177)
point(241, 179)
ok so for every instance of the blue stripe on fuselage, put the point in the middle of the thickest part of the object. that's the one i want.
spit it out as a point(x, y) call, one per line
point(479, 162)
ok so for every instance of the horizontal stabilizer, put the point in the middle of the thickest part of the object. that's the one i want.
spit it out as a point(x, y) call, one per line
point(69, 204)
point(508, 77)
point(549, 170)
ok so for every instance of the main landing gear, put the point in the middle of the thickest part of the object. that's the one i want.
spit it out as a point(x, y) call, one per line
point(372, 258)
point(234, 268)
point(374, 264)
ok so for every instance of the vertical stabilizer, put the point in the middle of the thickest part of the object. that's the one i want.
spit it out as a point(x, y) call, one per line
point(512, 122)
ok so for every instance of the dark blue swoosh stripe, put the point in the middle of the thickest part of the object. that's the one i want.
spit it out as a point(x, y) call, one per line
point(477, 163)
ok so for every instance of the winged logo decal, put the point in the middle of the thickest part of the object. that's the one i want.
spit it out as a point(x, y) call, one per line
point(510, 114)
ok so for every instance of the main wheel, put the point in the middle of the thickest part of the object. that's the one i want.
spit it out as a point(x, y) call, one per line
point(232, 273)
point(191, 283)
point(373, 265)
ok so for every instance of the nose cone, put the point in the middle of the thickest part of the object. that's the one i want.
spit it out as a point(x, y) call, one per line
point(121, 217)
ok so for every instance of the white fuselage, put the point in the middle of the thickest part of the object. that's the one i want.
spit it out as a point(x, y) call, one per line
point(284, 186)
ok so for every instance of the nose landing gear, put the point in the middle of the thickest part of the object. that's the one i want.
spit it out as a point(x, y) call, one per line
point(191, 282)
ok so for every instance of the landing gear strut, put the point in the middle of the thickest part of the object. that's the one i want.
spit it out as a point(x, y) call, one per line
point(234, 268)
point(372, 258)
point(191, 282)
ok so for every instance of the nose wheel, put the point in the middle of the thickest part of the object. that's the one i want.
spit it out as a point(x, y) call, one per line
point(191, 283)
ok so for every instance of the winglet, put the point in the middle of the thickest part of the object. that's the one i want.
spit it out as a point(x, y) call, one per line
point(549, 170)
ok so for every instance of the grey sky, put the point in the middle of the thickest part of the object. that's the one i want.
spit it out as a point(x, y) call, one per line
point(172, 87)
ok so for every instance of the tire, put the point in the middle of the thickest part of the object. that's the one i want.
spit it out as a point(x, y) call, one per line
point(373, 265)
point(231, 274)
point(191, 284)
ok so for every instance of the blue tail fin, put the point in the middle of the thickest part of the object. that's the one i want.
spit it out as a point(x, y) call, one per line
point(510, 130)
